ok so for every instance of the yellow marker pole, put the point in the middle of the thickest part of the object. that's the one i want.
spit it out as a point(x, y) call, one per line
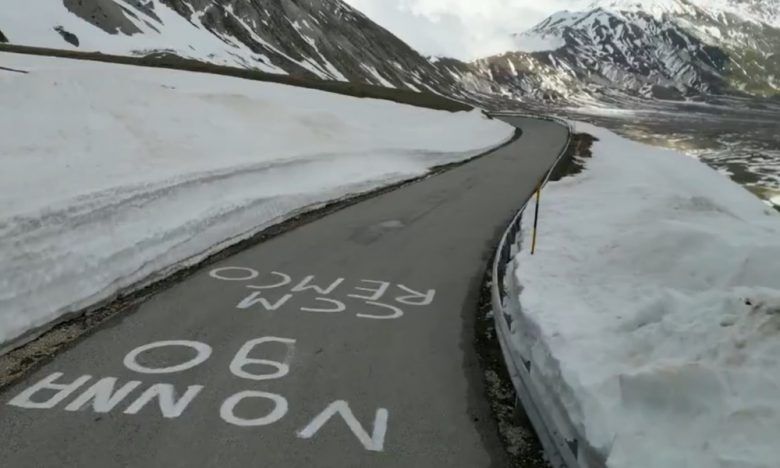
point(536, 218)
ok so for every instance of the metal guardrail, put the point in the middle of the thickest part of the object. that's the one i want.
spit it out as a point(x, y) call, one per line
point(563, 447)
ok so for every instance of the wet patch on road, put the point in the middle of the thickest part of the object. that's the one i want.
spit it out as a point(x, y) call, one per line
point(369, 234)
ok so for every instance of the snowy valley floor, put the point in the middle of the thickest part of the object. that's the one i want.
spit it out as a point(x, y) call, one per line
point(736, 136)
point(113, 176)
point(652, 309)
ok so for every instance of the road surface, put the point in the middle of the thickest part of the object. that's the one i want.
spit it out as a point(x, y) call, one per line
point(346, 342)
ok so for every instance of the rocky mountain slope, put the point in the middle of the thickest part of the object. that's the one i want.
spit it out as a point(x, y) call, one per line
point(325, 39)
point(658, 48)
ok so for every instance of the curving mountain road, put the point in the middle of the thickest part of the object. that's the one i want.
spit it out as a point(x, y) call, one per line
point(347, 342)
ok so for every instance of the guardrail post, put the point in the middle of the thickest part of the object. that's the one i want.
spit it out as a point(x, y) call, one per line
point(536, 218)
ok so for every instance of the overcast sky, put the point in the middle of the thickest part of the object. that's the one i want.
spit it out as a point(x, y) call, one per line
point(465, 29)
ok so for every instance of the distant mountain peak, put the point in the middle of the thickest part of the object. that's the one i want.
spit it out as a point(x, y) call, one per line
point(660, 48)
point(656, 8)
point(756, 11)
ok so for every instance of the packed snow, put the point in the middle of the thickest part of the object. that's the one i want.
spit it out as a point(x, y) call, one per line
point(651, 310)
point(113, 175)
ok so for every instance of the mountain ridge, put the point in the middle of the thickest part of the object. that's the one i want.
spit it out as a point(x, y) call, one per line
point(324, 39)
point(664, 49)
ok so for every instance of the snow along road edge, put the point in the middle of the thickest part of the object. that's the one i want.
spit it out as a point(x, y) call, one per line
point(380, 109)
point(93, 316)
point(556, 434)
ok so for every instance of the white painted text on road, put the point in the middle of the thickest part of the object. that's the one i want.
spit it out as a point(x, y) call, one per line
point(374, 300)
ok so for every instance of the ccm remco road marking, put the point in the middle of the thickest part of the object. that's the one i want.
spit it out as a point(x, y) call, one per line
point(365, 293)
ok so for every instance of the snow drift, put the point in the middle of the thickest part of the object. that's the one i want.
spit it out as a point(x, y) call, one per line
point(114, 175)
point(652, 310)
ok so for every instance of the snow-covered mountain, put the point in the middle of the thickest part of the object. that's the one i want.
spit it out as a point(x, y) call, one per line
point(651, 48)
point(325, 39)
point(655, 48)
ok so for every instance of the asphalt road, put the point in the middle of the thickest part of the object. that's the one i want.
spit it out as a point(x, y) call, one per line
point(376, 368)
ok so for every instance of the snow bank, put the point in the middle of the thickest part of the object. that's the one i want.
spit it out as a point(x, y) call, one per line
point(113, 174)
point(652, 310)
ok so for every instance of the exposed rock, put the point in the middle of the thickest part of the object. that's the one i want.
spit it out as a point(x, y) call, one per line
point(105, 14)
point(666, 93)
point(69, 37)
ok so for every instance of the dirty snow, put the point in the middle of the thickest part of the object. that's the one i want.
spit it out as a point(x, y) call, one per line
point(652, 310)
point(113, 175)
